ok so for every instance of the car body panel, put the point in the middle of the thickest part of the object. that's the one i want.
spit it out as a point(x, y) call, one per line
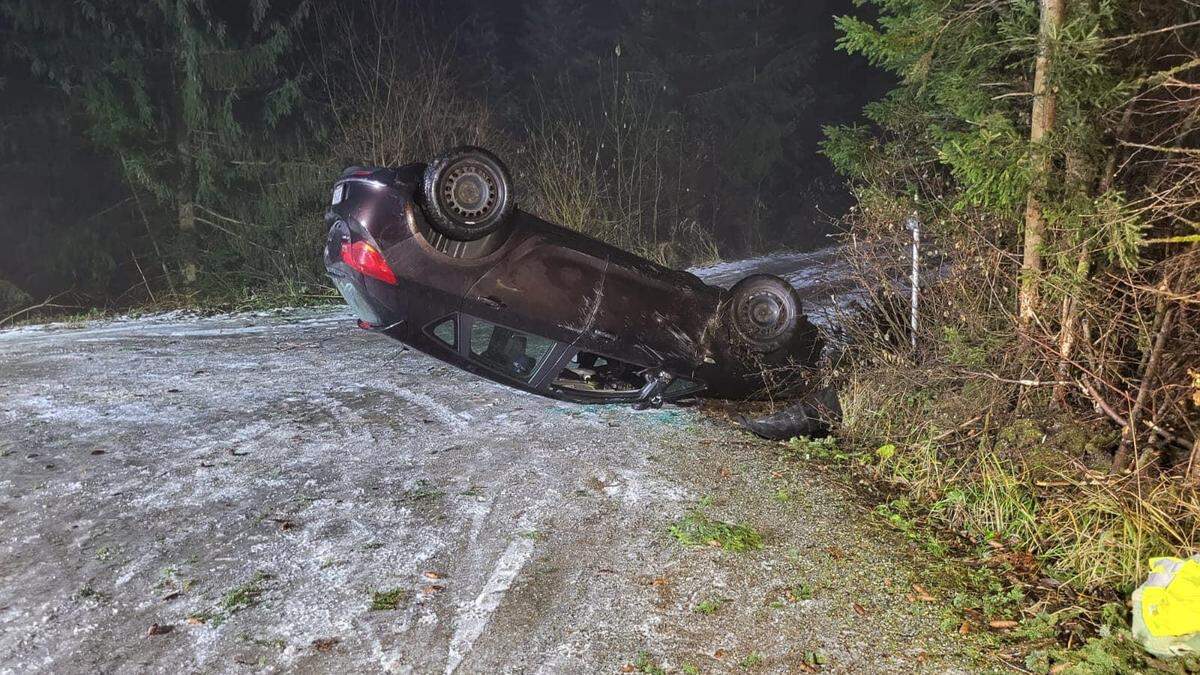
point(542, 297)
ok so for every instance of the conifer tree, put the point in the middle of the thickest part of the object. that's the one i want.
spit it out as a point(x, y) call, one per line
point(171, 89)
point(1063, 135)
point(739, 70)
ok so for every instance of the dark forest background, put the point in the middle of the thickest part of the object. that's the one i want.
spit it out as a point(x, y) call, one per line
point(185, 149)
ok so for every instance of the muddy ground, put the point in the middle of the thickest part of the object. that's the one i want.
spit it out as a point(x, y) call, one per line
point(284, 492)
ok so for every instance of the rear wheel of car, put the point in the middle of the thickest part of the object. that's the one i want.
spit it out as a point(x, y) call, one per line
point(763, 311)
point(467, 193)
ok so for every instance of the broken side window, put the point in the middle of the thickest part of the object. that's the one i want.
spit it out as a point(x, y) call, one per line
point(680, 386)
point(446, 331)
point(508, 351)
point(600, 375)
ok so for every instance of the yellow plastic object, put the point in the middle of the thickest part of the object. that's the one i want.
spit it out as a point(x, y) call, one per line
point(1174, 608)
point(1166, 609)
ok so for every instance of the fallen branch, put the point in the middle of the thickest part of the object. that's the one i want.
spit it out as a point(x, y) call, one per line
point(48, 302)
point(1128, 437)
point(1122, 423)
point(1022, 382)
point(1163, 148)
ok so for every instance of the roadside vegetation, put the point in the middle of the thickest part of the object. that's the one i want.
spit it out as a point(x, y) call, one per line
point(1042, 419)
point(1048, 416)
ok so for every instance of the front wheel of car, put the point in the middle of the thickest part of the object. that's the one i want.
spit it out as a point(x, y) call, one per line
point(467, 193)
point(764, 312)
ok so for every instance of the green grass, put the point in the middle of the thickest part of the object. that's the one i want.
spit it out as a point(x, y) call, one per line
point(697, 529)
point(246, 595)
point(814, 658)
point(382, 601)
point(709, 605)
point(787, 596)
point(423, 491)
point(752, 660)
point(645, 664)
point(241, 597)
point(826, 448)
point(89, 594)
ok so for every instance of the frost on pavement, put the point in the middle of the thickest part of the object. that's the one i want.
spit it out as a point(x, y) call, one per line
point(252, 480)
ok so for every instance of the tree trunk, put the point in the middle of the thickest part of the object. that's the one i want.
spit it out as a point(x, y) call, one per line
point(1041, 122)
point(1069, 320)
point(188, 250)
point(186, 244)
point(1193, 470)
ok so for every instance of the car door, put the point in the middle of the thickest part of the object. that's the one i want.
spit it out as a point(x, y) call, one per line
point(543, 288)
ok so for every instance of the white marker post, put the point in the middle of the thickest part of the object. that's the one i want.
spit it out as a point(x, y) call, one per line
point(915, 226)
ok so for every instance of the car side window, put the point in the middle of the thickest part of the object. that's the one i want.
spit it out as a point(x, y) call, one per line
point(446, 331)
point(680, 386)
point(507, 351)
point(594, 374)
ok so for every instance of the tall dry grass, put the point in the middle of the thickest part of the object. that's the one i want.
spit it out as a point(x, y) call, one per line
point(616, 166)
point(621, 170)
point(1018, 480)
point(394, 96)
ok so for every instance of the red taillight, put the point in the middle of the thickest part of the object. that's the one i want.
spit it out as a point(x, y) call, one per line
point(367, 259)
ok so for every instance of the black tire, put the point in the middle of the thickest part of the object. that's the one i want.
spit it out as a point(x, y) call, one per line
point(763, 312)
point(467, 193)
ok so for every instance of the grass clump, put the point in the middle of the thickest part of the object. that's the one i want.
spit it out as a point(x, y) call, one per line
point(792, 594)
point(752, 660)
point(814, 658)
point(961, 459)
point(816, 448)
point(1115, 652)
point(246, 595)
point(709, 606)
point(382, 601)
point(238, 598)
point(87, 594)
point(697, 529)
point(645, 664)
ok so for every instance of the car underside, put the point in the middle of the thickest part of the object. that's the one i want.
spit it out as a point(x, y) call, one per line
point(438, 256)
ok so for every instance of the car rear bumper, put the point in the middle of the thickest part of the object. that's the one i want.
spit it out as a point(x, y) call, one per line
point(373, 302)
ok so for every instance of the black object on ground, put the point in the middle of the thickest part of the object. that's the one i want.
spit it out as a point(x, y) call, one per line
point(812, 416)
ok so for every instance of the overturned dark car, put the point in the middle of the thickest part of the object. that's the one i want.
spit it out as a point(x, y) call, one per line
point(439, 257)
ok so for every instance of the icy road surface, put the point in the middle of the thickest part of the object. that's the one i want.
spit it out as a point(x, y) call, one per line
point(286, 492)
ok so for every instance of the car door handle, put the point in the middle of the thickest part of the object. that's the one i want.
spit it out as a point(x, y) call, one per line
point(491, 302)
